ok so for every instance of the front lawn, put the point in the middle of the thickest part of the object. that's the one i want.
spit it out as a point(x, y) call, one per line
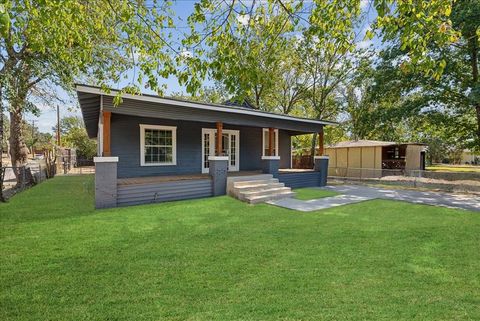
point(313, 193)
point(220, 259)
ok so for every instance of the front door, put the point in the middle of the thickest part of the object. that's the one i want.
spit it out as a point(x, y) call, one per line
point(231, 144)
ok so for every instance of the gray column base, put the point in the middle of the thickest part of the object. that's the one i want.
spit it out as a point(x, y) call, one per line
point(270, 165)
point(105, 182)
point(321, 165)
point(218, 167)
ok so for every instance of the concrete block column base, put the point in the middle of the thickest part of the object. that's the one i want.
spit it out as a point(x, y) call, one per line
point(218, 167)
point(321, 165)
point(270, 165)
point(105, 182)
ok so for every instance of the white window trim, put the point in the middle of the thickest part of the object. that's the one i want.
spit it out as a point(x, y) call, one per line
point(142, 144)
point(263, 141)
point(100, 129)
point(212, 131)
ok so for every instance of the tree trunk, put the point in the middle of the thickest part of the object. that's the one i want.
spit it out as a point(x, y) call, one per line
point(473, 47)
point(477, 108)
point(18, 148)
point(2, 171)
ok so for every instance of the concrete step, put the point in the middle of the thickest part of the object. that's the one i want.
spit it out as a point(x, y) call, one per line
point(271, 197)
point(255, 187)
point(263, 192)
point(255, 182)
point(231, 180)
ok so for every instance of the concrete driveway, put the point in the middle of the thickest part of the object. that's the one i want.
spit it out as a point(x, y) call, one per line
point(357, 193)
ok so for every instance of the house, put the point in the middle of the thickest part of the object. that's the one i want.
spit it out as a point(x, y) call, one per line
point(469, 157)
point(372, 158)
point(154, 149)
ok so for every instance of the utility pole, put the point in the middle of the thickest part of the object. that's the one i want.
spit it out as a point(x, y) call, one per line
point(58, 125)
point(33, 136)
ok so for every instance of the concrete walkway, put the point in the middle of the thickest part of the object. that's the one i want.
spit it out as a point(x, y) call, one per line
point(358, 193)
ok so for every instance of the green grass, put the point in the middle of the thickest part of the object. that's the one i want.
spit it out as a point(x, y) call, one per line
point(454, 168)
point(313, 193)
point(220, 259)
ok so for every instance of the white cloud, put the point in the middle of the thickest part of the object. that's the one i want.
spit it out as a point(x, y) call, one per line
point(186, 54)
point(243, 19)
point(364, 44)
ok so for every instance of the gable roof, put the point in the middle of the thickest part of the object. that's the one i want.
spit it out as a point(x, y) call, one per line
point(92, 99)
point(368, 143)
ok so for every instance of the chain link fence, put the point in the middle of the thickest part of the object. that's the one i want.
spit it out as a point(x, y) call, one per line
point(16, 179)
point(448, 181)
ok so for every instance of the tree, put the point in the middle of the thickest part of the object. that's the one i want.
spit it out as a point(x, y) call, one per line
point(68, 123)
point(77, 138)
point(75, 135)
point(57, 42)
point(466, 19)
point(292, 84)
point(246, 60)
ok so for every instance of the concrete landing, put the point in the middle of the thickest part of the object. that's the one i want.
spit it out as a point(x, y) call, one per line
point(318, 204)
point(359, 193)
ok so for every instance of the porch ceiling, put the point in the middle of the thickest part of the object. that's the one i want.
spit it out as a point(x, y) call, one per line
point(158, 107)
point(90, 106)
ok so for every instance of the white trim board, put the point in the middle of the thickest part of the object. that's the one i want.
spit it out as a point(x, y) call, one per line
point(212, 132)
point(106, 159)
point(276, 138)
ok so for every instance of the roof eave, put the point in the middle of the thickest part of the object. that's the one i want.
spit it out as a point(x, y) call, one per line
point(213, 107)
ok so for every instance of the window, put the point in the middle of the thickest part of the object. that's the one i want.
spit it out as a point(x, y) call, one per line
point(266, 142)
point(158, 145)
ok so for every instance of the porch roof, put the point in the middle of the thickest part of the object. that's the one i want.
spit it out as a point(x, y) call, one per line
point(93, 99)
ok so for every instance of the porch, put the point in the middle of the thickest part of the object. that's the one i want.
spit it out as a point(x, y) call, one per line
point(153, 189)
point(172, 178)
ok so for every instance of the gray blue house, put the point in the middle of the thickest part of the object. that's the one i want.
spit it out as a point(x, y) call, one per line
point(153, 149)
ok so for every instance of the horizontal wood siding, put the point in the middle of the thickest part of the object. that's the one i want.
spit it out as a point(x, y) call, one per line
point(296, 180)
point(164, 191)
point(125, 143)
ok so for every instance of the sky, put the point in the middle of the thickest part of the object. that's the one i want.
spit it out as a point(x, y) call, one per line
point(183, 8)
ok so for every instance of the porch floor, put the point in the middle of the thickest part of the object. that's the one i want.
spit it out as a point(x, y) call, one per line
point(295, 170)
point(170, 178)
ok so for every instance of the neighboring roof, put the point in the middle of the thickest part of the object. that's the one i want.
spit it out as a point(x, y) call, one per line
point(233, 103)
point(368, 143)
point(90, 99)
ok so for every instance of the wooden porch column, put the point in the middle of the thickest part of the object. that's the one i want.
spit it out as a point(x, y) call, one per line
point(320, 143)
point(218, 143)
point(106, 133)
point(271, 135)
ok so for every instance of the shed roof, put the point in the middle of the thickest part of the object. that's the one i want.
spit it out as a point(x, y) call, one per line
point(368, 143)
point(91, 102)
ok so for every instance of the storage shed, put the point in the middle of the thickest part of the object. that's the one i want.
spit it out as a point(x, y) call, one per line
point(371, 158)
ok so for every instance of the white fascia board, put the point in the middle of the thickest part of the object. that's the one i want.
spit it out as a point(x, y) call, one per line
point(110, 159)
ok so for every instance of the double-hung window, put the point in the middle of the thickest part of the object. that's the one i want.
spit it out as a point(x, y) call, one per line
point(158, 145)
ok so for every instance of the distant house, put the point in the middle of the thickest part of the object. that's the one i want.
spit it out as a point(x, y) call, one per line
point(371, 158)
point(469, 158)
point(154, 149)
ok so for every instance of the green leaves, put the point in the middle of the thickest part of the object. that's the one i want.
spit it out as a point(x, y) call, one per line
point(4, 20)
